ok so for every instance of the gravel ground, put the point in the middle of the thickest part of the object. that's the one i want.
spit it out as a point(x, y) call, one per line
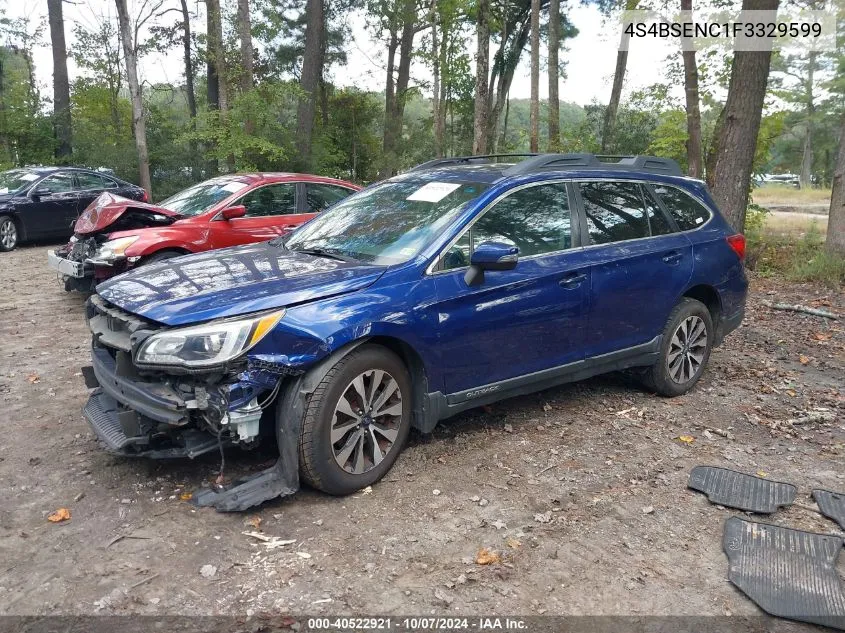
point(578, 491)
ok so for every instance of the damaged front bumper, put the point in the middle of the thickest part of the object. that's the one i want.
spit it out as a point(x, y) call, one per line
point(161, 415)
point(77, 267)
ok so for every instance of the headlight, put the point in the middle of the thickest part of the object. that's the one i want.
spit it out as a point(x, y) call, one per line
point(114, 249)
point(206, 345)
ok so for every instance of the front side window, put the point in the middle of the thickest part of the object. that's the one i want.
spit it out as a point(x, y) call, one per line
point(320, 197)
point(278, 199)
point(57, 183)
point(388, 223)
point(688, 212)
point(88, 182)
point(614, 211)
point(536, 219)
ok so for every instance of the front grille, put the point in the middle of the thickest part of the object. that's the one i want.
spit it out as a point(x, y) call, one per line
point(112, 326)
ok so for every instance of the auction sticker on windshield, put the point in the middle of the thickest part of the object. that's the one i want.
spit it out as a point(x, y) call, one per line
point(433, 191)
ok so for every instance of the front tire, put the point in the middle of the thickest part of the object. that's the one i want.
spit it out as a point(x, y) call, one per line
point(356, 422)
point(8, 234)
point(684, 350)
point(161, 256)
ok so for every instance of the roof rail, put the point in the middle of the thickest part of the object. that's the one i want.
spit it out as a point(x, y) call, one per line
point(562, 162)
point(482, 159)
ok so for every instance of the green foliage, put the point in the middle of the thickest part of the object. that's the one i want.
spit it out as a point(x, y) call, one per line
point(811, 262)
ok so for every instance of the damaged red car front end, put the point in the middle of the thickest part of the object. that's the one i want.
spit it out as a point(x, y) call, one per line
point(115, 234)
point(91, 255)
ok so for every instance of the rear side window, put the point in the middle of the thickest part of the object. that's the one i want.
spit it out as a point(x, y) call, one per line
point(688, 212)
point(89, 181)
point(320, 196)
point(614, 211)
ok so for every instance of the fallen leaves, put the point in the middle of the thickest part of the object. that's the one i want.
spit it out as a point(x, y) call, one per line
point(487, 556)
point(186, 496)
point(33, 378)
point(62, 514)
point(804, 360)
point(254, 522)
point(686, 439)
point(513, 543)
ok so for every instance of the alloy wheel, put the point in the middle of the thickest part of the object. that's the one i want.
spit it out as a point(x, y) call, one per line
point(8, 234)
point(366, 421)
point(687, 349)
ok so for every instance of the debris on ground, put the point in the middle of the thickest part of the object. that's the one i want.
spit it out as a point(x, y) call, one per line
point(62, 514)
point(486, 556)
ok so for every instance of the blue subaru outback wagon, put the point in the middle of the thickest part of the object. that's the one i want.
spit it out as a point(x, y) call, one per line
point(458, 283)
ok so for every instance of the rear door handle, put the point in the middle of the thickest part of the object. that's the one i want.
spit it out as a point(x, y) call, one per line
point(572, 280)
point(673, 258)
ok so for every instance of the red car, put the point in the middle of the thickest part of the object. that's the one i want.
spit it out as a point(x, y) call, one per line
point(115, 234)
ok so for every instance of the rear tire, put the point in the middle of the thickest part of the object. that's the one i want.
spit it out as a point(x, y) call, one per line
point(684, 350)
point(9, 234)
point(356, 422)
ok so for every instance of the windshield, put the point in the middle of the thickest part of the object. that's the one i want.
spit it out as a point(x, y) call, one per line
point(388, 223)
point(15, 179)
point(200, 198)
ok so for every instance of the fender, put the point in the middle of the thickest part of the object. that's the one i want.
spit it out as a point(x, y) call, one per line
point(281, 479)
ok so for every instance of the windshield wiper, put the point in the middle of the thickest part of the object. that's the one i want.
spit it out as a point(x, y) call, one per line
point(326, 252)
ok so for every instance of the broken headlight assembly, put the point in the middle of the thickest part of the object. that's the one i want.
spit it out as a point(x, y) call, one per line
point(113, 250)
point(206, 345)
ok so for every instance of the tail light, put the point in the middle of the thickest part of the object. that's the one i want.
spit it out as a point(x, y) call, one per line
point(145, 197)
point(737, 243)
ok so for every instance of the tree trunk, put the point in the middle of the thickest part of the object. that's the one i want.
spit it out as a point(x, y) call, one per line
point(61, 86)
point(737, 139)
point(806, 178)
point(435, 89)
point(396, 93)
point(836, 219)
point(535, 76)
point(694, 158)
point(554, 79)
point(482, 70)
point(440, 117)
point(212, 83)
point(218, 56)
point(138, 125)
point(245, 35)
point(310, 80)
point(189, 85)
point(618, 81)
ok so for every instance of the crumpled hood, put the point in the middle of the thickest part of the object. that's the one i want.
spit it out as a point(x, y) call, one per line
point(107, 208)
point(231, 282)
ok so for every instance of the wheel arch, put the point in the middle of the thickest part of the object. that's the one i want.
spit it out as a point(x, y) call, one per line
point(709, 296)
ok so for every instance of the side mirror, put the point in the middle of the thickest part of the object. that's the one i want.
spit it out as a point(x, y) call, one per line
point(490, 256)
point(39, 192)
point(231, 213)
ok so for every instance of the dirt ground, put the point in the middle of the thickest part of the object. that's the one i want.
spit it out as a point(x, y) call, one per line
point(581, 489)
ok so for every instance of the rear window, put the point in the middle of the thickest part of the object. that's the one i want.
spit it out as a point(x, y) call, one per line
point(688, 212)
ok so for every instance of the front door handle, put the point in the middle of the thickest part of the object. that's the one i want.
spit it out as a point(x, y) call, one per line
point(572, 280)
point(673, 258)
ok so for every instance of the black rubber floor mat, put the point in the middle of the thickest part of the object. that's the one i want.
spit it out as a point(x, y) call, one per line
point(738, 490)
point(831, 504)
point(788, 573)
